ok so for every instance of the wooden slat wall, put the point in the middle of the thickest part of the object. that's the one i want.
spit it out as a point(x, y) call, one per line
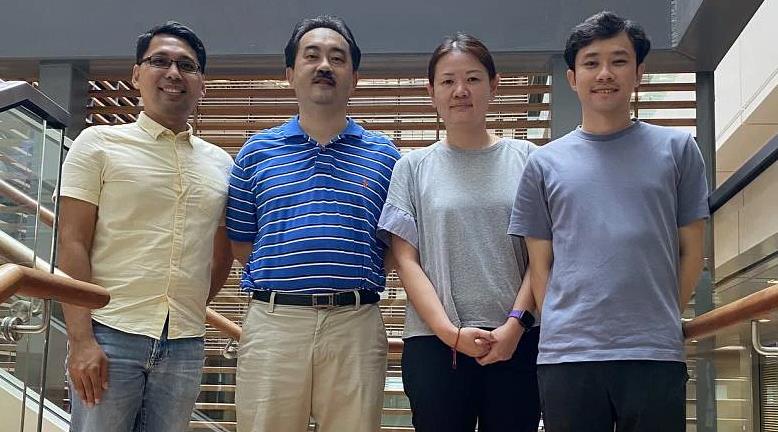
point(234, 109)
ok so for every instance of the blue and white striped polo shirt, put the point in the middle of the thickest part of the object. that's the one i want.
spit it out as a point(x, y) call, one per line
point(311, 211)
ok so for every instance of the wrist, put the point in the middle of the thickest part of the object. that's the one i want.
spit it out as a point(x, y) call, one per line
point(82, 341)
point(523, 318)
point(513, 324)
point(447, 334)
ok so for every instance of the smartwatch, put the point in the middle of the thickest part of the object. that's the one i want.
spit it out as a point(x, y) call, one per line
point(524, 317)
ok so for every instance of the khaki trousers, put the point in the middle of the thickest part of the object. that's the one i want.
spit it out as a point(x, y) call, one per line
point(297, 362)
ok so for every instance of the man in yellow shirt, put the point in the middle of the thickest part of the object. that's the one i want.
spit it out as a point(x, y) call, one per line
point(141, 213)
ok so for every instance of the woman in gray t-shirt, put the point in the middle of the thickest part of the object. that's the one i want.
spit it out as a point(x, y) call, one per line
point(465, 361)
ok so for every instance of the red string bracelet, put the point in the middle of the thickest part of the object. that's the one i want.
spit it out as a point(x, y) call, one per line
point(454, 350)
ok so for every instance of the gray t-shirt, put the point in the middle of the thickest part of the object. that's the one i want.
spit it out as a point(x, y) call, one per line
point(612, 205)
point(454, 207)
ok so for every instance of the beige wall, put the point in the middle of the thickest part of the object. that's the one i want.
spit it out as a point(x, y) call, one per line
point(748, 219)
point(746, 118)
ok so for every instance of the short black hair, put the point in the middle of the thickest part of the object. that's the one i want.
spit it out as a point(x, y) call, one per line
point(605, 25)
point(172, 28)
point(464, 43)
point(322, 21)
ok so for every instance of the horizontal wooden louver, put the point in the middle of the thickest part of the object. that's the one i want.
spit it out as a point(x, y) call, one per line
point(234, 109)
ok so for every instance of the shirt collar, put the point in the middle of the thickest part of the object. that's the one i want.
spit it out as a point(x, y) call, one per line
point(156, 130)
point(292, 128)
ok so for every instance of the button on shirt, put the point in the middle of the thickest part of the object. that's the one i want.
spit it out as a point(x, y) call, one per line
point(160, 197)
point(311, 210)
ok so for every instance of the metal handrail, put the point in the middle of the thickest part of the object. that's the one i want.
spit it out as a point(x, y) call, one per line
point(21, 94)
point(756, 342)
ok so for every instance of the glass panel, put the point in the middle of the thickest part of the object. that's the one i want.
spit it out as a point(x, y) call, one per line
point(736, 382)
point(29, 163)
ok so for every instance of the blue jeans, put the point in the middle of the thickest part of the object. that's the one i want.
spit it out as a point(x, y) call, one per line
point(152, 384)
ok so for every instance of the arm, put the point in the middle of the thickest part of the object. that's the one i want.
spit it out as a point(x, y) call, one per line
point(690, 238)
point(241, 251)
point(389, 262)
point(87, 363)
point(506, 338)
point(541, 256)
point(221, 261)
point(422, 295)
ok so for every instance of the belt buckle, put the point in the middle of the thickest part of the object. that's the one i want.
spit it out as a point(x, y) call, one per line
point(317, 304)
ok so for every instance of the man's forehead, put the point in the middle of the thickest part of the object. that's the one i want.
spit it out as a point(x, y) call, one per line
point(619, 44)
point(323, 38)
point(169, 44)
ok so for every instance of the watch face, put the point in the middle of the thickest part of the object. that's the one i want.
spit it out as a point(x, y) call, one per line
point(525, 318)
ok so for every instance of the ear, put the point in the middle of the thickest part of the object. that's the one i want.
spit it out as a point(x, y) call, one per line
point(354, 81)
point(202, 83)
point(290, 76)
point(494, 83)
point(135, 76)
point(431, 92)
point(571, 79)
point(641, 71)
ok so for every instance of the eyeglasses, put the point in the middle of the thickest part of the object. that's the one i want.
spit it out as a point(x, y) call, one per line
point(184, 65)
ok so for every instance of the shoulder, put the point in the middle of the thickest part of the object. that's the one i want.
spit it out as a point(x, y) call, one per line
point(263, 140)
point(212, 151)
point(103, 132)
point(417, 157)
point(661, 131)
point(668, 139)
point(380, 142)
point(664, 134)
point(522, 147)
point(267, 137)
point(101, 137)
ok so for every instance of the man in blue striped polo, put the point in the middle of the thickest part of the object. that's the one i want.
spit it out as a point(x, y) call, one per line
point(304, 201)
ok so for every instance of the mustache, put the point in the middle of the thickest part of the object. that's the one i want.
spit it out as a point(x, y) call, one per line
point(324, 75)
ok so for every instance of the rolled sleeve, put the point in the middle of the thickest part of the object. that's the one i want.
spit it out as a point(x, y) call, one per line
point(82, 170)
point(398, 222)
point(399, 213)
point(531, 216)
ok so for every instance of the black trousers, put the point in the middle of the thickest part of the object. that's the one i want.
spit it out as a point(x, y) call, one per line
point(633, 396)
point(499, 397)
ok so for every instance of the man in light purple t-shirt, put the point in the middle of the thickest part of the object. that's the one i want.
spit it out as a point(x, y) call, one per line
point(613, 216)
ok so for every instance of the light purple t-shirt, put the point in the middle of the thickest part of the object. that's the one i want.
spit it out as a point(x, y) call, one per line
point(612, 205)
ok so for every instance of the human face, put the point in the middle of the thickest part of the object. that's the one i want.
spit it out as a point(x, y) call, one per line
point(322, 73)
point(461, 90)
point(169, 95)
point(606, 73)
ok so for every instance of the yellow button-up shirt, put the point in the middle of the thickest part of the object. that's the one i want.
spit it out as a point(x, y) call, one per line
point(160, 197)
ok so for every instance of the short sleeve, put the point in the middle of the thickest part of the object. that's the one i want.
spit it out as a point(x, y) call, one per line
point(82, 170)
point(531, 216)
point(241, 217)
point(399, 213)
point(692, 185)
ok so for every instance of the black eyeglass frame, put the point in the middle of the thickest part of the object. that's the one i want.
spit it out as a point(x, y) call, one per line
point(170, 62)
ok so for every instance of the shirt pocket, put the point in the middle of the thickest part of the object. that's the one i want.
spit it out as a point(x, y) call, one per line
point(208, 196)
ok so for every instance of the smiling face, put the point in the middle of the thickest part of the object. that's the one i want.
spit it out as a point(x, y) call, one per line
point(169, 95)
point(606, 73)
point(323, 73)
point(461, 89)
